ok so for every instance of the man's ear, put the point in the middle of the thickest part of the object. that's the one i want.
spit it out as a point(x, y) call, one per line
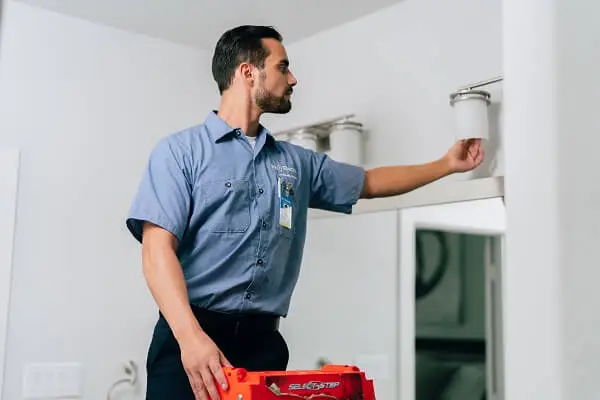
point(246, 72)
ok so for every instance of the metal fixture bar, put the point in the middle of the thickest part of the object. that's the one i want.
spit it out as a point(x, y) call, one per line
point(319, 128)
point(483, 83)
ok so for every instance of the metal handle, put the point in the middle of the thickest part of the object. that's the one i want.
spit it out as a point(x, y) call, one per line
point(491, 316)
point(494, 358)
point(483, 83)
point(321, 128)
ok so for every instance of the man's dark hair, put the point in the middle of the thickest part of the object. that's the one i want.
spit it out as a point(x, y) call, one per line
point(238, 45)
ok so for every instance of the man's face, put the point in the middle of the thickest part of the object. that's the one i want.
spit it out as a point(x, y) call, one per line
point(274, 90)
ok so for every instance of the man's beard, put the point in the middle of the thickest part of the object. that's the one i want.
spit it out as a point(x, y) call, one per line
point(270, 103)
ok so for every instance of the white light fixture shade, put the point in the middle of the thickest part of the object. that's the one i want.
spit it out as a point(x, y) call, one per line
point(346, 142)
point(304, 138)
point(471, 114)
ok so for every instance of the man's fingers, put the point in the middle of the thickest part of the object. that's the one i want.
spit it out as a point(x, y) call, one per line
point(473, 148)
point(217, 371)
point(224, 361)
point(197, 384)
point(480, 156)
point(476, 152)
point(209, 383)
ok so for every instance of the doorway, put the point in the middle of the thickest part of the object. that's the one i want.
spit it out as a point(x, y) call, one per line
point(456, 302)
point(450, 324)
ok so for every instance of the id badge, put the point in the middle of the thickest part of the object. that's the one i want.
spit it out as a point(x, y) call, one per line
point(286, 204)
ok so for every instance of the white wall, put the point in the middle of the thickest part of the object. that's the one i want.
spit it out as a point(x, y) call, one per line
point(85, 104)
point(9, 165)
point(396, 69)
point(578, 97)
point(532, 279)
point(552, 95)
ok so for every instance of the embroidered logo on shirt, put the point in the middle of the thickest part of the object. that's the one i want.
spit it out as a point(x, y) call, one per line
point(285, 171)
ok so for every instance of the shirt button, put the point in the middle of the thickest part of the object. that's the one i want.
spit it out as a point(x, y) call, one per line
point(261, 191)
point(228, 184)
point(259, 261)
point(248, 295)
point(264, 224)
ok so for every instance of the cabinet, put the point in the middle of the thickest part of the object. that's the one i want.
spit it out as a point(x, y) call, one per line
point(355, 299)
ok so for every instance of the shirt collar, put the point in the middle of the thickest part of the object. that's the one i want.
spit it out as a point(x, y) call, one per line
point(219, 129)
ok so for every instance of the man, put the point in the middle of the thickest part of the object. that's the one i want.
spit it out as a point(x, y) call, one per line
point(221, 214)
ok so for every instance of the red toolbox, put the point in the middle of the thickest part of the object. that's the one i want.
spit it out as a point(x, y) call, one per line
point(331, 382)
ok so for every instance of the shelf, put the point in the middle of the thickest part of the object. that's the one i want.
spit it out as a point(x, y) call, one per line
point(435, 193)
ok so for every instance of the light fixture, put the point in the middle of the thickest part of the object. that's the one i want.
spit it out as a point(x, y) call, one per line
point(471, 110)
point(346, 142)
point(340, 137)
point(305, 137)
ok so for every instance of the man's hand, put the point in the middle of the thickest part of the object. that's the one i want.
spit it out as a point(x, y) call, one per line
point(203, 362)
point(465, 155)
point(201, 358)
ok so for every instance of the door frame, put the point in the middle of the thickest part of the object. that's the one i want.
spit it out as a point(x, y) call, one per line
point(482, 217)
point(9, 175)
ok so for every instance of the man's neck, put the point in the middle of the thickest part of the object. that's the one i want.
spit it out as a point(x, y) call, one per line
point(238, 112)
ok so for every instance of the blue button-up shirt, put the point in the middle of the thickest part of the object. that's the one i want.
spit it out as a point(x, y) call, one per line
point(222, 199)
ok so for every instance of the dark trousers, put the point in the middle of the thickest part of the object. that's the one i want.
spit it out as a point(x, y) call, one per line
point(251, 342)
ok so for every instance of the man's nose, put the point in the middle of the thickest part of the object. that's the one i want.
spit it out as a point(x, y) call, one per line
point(292, 81)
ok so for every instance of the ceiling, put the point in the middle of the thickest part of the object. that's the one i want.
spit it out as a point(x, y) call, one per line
point(199, 23)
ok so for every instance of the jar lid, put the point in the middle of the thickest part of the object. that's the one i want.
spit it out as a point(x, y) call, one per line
point(470, 94)
point(347, 125)
point(303, 134)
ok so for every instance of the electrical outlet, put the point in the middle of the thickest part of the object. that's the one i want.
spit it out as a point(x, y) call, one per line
point(68, 380)
point(52, 381)
point(37, 381)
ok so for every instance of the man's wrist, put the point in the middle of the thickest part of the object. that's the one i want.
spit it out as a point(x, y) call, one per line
point(189, 336)
point(445, 166)
point(188, 332)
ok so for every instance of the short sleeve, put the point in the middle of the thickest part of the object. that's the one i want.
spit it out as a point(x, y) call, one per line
point(164, 193)
point(335, 186)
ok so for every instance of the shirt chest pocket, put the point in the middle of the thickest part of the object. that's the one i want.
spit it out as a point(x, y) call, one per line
point(226, 206)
